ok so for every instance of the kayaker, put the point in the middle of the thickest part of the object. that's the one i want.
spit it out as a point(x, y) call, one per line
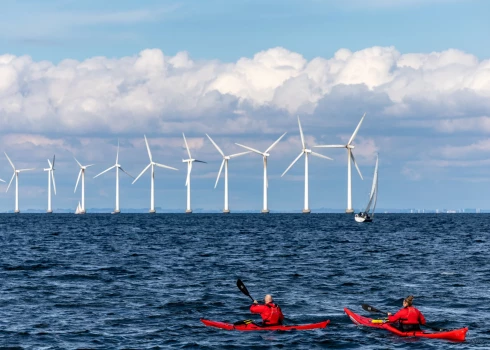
point(409, 318)
point(271, 313)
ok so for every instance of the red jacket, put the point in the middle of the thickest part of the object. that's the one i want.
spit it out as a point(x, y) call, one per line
point(408, 315)
point(271, 313)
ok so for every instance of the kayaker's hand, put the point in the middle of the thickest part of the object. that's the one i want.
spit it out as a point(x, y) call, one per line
point(388, 313)
point(256, 302)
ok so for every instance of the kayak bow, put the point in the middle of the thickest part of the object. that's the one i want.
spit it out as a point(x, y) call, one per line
point(454, 335)
point(256, 327)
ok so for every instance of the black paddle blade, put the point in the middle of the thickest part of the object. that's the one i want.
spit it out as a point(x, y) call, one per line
point(372, 309)
point(242, 288)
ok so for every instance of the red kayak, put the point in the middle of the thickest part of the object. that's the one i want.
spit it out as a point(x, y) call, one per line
point(250, 326)
point(454, 335)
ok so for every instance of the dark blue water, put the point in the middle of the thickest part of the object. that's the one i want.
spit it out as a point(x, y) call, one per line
point(142, 281)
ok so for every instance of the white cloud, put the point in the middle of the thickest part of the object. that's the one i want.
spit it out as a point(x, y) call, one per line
point(152, 91)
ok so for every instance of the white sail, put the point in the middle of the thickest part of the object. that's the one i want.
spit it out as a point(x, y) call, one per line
point(79, 209)
point(374, 190)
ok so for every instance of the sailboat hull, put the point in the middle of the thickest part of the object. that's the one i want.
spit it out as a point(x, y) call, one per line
point(360, 218)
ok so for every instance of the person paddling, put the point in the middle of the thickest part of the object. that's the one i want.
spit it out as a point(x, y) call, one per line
point(409, 318)
point(271, 313)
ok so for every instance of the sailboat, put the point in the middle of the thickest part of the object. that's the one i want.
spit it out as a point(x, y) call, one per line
point(79, 209)
point(368, 214)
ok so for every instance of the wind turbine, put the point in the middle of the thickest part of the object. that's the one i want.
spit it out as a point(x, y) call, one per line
point(305, 152)
point(82, 174)
point(264, 154)
point(50, 171)
point(188, 179)
point(350, 156)
point(226, 209)
point(16, 175)
point(152, 164)
point(117, 166)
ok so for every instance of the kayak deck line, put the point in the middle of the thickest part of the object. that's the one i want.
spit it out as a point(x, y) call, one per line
point(458, 335)
point(257, 327)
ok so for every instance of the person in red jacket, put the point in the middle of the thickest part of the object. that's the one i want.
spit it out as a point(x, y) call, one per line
point(271, 313)
point(409, 318)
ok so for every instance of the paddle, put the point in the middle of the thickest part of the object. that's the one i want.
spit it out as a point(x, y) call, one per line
point(373, 309)
point(244, 289)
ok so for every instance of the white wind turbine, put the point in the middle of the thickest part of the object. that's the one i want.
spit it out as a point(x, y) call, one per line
point(16, 175)
point(117, 166)
point(305, 152)
point(50, 171)
point(81, 174)
point(264, 154)
point(350, 156)
point(152, 164)
point(226, 209)
point(188, 179)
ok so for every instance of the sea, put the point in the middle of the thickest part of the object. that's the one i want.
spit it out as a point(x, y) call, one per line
point(140, 281)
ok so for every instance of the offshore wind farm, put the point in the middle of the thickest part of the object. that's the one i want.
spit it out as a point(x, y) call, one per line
point(81, 209)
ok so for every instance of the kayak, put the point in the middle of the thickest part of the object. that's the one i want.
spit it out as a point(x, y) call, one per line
point(454, 335)
point(256, 327)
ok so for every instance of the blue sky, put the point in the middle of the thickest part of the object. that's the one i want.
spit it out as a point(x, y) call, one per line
point(76, 76)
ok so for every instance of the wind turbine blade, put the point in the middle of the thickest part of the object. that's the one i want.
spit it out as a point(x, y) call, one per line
point(238, 154)
point(275, 143)
point(80, 165)
point(2, 180)
point(9, 160)
point(354, 161)
point(320, 155)
point(219, 173)
point(187, 147)
point(294, 161)
point(53, 160)
point(301, 133)
point(148, 148)
point(117, 154)
point(78, 179)
point(357, 129)
point(50, 165)
point(165, 166)
point(215, 145)
point(54, 183)
point(250, 148)
point(26, 169)
point(10, 182)
point(87, 166)
point(124, 171)
point(200, 161)
point(105, 171)
point(145, 169)
point(330, 146)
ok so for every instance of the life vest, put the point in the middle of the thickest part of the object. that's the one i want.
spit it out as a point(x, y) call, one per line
point(275, 317)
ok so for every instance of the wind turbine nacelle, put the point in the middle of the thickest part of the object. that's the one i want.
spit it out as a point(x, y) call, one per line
point(350, 146)
point(307, 150)
point(227, 157)
point(266, 154)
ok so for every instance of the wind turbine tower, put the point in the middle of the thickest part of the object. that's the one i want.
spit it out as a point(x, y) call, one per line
point(265, 154)
point(50, 171)
point(189, 162)
point(306, 152)
point(117, 166)
point(152, 164)
point(16, 175)
point(81, 174)
point(350, 157)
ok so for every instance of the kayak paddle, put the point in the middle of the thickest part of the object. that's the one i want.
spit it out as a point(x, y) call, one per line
point(244, 289)
point(373, 309)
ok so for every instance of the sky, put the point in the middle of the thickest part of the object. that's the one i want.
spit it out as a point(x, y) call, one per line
point(76, 77)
